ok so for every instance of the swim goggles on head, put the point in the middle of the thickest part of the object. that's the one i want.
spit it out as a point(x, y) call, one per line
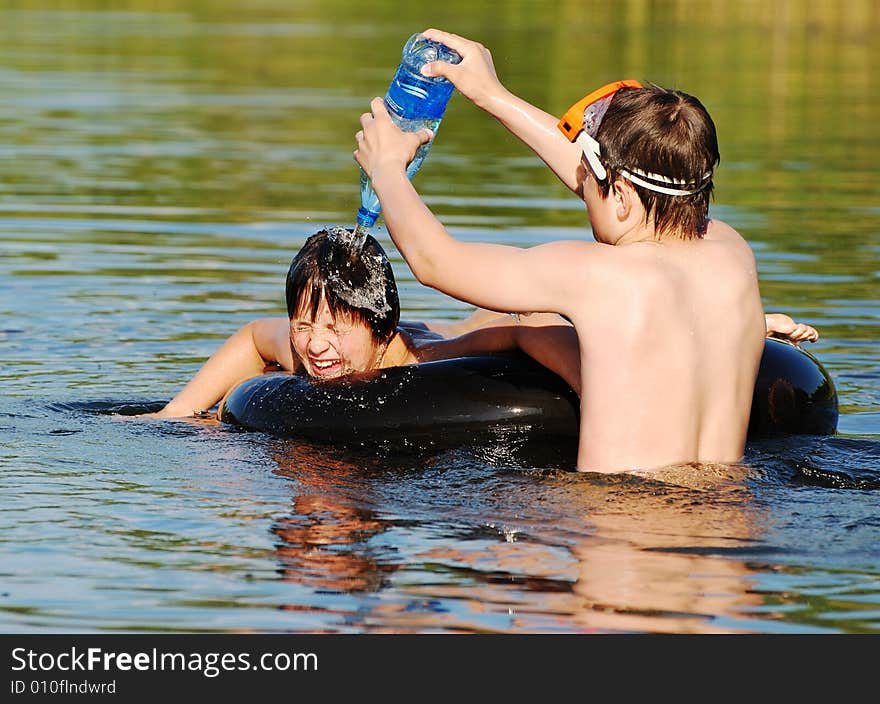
point(580, 124)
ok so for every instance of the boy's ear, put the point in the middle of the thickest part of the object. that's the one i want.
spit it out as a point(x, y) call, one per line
point(625, 198)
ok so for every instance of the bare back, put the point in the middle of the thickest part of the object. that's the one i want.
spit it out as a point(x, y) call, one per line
point(669, 350)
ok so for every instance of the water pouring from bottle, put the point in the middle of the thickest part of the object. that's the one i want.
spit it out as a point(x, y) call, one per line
point(414, 102)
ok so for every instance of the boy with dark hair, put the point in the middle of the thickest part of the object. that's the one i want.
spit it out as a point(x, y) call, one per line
point(360, 288)
point(343, 316)
point(668, 326)
point(324, 335)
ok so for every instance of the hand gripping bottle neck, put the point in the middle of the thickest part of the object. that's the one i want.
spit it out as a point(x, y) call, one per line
point(414, 101)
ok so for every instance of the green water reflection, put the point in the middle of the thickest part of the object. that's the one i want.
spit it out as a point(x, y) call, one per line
point(248, 109)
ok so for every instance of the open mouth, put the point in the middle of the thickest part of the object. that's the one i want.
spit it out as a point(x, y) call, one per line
point(326, 367)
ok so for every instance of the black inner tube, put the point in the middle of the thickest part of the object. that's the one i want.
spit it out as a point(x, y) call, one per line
point(453, 399)
point(469, 399)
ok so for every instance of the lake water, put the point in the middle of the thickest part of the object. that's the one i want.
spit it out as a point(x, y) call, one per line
point(161, 162)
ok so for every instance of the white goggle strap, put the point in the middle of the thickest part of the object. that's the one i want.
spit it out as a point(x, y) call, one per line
point(592, 150)
point(662, 189)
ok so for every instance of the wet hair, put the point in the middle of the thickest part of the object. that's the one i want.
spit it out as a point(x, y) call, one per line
point(662, 131)
point(313, 277)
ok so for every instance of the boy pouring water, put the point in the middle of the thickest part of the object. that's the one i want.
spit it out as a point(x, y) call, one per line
point(668, 325)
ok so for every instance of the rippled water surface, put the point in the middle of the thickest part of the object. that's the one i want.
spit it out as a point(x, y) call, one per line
point(160, 162)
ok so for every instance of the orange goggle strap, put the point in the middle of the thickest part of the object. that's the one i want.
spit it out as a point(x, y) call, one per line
point(572, 121)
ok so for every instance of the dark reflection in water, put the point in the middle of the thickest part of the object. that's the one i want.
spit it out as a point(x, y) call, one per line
point(325, 542)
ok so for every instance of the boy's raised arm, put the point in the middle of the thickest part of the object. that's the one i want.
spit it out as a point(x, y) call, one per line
point(475, 78)
point(507, 279)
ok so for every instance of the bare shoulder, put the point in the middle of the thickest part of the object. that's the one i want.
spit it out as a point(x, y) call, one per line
point(566, 250)
point(575, 262)
point(271, 330)
point(720, 231)
point(585, 277)
point(272, 340)
point(273, 324)
point(734, 246)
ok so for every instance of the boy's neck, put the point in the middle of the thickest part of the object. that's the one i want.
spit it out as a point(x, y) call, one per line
point(648, 233)
point(642, 232)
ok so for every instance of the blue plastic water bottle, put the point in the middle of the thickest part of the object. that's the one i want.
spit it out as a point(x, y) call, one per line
point(414, 101)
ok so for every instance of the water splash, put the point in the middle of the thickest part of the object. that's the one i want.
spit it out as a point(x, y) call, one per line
point(357, 277)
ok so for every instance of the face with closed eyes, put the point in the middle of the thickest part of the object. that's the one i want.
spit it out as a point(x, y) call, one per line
point(331, 346)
